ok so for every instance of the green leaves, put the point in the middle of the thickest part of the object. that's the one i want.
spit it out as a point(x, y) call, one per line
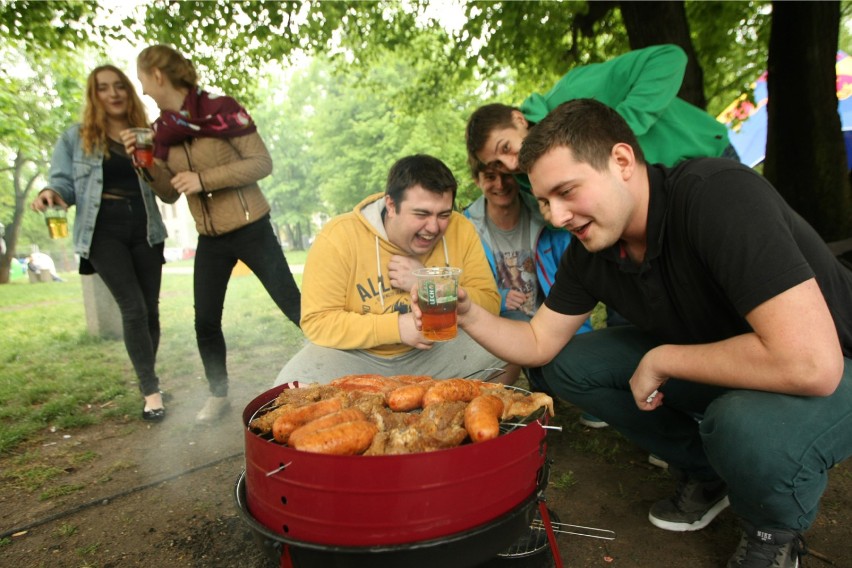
point(61, 24)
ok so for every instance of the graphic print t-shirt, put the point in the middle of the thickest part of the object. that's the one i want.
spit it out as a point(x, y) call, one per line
point(514, 260)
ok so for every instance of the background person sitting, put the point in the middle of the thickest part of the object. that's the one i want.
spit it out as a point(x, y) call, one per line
point(39, 263)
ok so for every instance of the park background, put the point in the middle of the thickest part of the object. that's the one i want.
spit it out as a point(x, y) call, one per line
point(339, 91)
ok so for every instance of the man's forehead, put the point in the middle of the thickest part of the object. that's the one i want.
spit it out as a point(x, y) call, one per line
point(555, 168)
point(415, 198)
point(495, 138)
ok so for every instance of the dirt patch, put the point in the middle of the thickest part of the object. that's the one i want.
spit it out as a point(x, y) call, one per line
point(130, 494)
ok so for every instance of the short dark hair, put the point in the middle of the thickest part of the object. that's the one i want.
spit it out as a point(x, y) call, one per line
point(475, 166)
point(485, 120)
point(588, 127)
point(428, 172)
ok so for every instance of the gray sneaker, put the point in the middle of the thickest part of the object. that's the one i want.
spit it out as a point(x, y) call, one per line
point(591, 421)
point(212, 409)
point(693, 506)
point(774, 548)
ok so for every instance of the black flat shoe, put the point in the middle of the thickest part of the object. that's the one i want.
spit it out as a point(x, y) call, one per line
point(155, 415)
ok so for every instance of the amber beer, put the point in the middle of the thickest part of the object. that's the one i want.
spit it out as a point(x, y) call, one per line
point(437, 292)
point(143, 154)
point(57, 222)
point(439, 321)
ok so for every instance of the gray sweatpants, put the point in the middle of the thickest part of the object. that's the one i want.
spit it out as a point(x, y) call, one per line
point(459, 357)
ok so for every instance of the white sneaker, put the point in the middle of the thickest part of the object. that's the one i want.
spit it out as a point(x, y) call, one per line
point(213, 409)
point(657, 461)
point(591, 421)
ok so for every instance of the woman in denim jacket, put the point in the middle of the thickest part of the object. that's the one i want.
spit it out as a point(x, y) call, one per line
point(118, 231)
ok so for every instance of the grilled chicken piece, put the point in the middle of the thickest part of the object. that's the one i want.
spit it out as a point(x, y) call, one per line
point(367, 402)
point(438, 427)
point(519, 404)
point(304, 394)
point(388, 420)
point(263, 423)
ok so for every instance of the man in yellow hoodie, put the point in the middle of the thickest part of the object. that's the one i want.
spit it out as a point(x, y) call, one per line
point(356, 304)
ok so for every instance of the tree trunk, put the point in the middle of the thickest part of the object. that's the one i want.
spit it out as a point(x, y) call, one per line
point(654, 23)
point(22, 190)
point(805, 152)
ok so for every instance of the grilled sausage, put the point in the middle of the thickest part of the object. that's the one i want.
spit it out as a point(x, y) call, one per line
point(451, 390)
point(344, 415)
point(412, 379)
point(482, 417)
point(366, 383)
point(345, 439)
point(406, 398)
point(287, 422)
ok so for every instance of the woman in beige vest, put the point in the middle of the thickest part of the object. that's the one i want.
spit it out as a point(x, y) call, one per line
point(207, 148)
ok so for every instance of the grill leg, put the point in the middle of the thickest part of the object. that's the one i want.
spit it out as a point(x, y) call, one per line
point(551, 536)
point(286, 560)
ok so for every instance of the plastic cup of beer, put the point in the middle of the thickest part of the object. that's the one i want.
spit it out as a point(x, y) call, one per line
point(57, 222)
point(437, 295)
point(143, 155)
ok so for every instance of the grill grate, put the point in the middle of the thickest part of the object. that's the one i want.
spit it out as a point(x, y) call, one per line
point(505, 426)
point(534, 541)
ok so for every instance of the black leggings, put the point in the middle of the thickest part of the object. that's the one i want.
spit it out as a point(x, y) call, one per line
point(132, 271)
point(215, 258)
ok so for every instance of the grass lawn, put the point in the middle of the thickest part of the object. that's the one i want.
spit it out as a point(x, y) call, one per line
point(54, 375)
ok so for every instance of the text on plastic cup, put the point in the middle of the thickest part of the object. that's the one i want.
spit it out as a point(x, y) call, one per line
point(143, 155)
point(438, 293)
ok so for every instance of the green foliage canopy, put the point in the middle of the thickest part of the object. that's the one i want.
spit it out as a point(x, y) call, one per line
point(395, 76)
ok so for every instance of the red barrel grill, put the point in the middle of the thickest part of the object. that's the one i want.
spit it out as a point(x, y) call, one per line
point(471, 501)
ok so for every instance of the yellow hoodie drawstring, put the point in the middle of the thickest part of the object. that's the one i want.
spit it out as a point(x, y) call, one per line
point(379, 266)
point(379, 272)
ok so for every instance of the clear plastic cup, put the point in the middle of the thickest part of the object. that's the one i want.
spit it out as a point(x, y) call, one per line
point(57, 222)
point(437, 295)
point(143, 155)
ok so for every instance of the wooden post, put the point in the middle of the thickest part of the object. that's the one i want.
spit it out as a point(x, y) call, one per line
point(103, 317)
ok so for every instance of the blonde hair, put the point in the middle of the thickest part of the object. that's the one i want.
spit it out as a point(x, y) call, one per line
point(171, 63)
point(93, 128)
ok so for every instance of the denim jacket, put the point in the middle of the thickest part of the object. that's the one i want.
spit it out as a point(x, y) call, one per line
point(78, 178)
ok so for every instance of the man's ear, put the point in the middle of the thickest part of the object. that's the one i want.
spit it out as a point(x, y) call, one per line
point(519, 120)
point(624, 159)
point(389, 204)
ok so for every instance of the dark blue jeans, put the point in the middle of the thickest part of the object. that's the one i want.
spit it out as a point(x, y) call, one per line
point(132, 271)
point(215, 258)
point(773, 450)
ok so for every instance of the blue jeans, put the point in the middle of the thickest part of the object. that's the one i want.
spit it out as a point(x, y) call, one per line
point(132, 271)
point(773, 450)
point(215, 258)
